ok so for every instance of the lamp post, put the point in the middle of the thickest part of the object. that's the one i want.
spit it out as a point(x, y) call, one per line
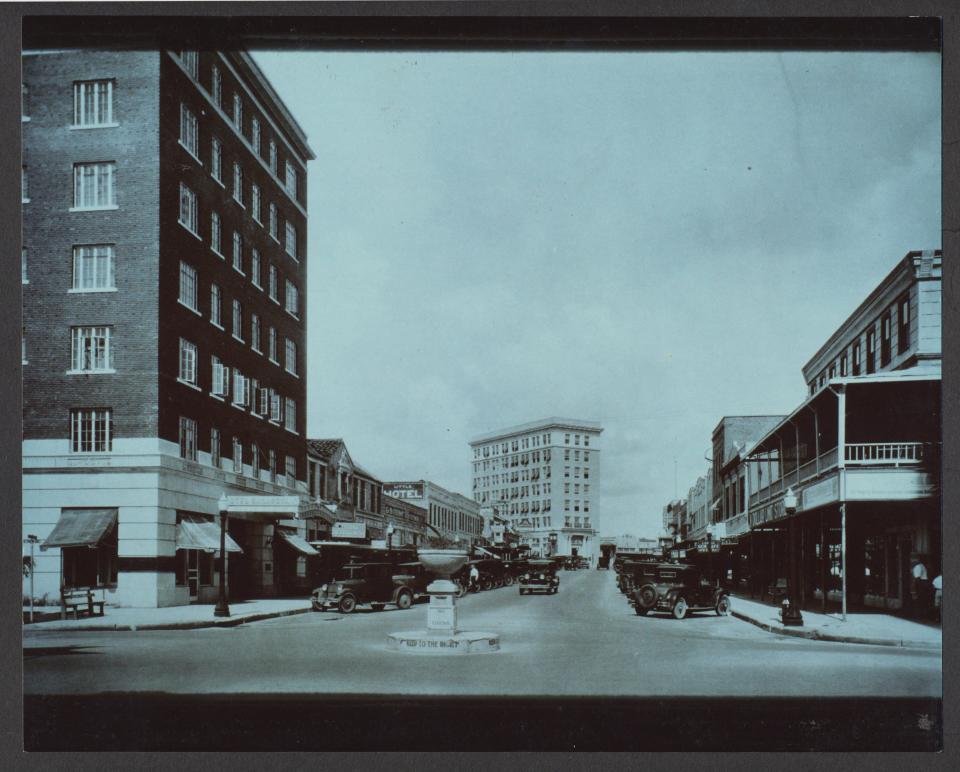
point(31, 540)
point(222, 609)
point(790, 613)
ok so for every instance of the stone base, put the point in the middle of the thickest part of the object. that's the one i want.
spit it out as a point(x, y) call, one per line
point(425, 642)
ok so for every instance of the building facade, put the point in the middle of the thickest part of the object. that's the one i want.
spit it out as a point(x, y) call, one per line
point(543, 477)
point(450, 515)
point(846, 488)
point(344, 488)
point(164, 334)
point(406, 522)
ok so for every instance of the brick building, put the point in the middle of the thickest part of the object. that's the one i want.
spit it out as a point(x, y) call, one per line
point(164, 340)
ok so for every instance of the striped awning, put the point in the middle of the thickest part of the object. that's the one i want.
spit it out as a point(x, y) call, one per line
point(81, 528)
point(197, 533)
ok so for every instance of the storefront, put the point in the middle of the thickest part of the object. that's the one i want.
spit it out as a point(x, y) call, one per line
point(87, 539)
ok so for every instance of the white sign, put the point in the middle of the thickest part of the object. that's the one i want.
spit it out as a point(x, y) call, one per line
point(404, 490)
point(350, 530)
point(287, 505)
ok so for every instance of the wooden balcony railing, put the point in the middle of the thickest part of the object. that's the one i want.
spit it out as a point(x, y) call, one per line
point(884, 453)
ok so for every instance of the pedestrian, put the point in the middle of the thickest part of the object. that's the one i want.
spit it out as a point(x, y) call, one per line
point(919, 584)
point(474, 575)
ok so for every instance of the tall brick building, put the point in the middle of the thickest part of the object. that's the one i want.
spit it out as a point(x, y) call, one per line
point(164, 339)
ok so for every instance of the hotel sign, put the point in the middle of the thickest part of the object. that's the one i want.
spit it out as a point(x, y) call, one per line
point(404, 490)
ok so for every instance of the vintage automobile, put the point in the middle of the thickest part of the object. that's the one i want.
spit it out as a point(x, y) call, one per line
point(420, 577)
point(376, 584)
point(540, 576)
point(680, 589)
point(634, 573)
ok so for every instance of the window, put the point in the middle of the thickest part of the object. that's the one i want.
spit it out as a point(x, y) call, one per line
point(23, 266)
point(272, 345)
point(274, 228)
point(241, 388)
point(220, 378)
point(273, 156)
point(291, 469)
point(215, 305)
point(93, 267)
point(188, 286)
point(215, 447)
point(90, 350)
point(238, 111)
point(190, 60)
point(188, 129)
point(871, 351)
point(576, 439)
point(290, 239)
point(188, 209)
point(24, 102)
point(290, 179)
point(291, 298)
point(255, 267)
point(255, 134)
point(255, 332)
point(237, 320)
point(832, 372)
point(276, 406)
point(237, 251)
point(255, 460)
point(272, 282)
point(24, 186)
point(843, 365)
point(272, 462)
point(216, 232)
point(856, 358)
point(90, 430)
point(903, 324)
point(290, 356)
point(586, 440)
point(188, 362)
point(566, 439)
point(237, 456)
point(93, 103)
point(238, 183)
point(216, 86)
point(885, 339)
point(188, 439)
point(93, 185)
point(255, 201)
point(264, 407)
point(216, 159)
point(566, 455)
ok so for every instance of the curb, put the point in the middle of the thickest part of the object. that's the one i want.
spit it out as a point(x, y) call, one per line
point(815, 635)
point(228, 622)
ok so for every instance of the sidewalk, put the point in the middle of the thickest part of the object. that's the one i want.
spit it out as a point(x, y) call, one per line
point(175, 617)
point(875, 629)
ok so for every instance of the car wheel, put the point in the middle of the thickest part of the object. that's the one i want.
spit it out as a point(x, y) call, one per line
point(347, 604)
point(317, 606)
point(486, 583)
point(508, 580)
point(723, 605)
point(646, 596)
point(641, 611)
point(680, 608)
point(404, 600)
point(461, 589)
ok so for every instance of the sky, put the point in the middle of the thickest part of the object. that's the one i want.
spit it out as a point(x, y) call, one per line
point(651, 240)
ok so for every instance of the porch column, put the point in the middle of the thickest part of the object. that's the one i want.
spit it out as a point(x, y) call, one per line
point(824, 553)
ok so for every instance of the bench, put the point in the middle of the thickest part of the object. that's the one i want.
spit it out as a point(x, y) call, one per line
point(778, 590)
point(80, 601)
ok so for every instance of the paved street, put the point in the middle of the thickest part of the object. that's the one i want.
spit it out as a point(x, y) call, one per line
point(584, 641)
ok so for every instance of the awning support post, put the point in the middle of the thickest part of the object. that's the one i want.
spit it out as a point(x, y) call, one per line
point(222, 609)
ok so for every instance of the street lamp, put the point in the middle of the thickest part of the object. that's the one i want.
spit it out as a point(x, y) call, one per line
point(222, 609)
point(31, 540)
point(790, 612)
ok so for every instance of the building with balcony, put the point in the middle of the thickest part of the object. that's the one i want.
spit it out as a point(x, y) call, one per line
point(860, 456)
point(450, 515)
point(163, 259)
point(542, 478)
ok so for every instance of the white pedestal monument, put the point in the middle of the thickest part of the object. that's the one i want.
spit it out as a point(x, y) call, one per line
point(442, 635)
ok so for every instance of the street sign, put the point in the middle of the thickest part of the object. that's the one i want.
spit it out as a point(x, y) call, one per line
point(350, 530)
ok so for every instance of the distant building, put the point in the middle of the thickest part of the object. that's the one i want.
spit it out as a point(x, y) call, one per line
point(543, 477)
point(350, 493)
point(674, 523)
point(406, 521)
point(451, 515)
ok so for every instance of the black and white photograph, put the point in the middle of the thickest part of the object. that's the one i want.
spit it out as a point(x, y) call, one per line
point(394, 385)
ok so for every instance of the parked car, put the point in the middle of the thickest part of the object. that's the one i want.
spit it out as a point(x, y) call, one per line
point(375, 584)
point(634, 573)
point(540, 576)
point(679, 589)
point(420, 577)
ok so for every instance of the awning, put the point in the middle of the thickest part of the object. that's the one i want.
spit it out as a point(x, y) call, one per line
point(197, 533)
point(297, 542)
point(81, 528)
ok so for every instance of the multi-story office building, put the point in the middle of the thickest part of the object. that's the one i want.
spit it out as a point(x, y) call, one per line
point(543, 478)
point(164, 339)
point(450, 515)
